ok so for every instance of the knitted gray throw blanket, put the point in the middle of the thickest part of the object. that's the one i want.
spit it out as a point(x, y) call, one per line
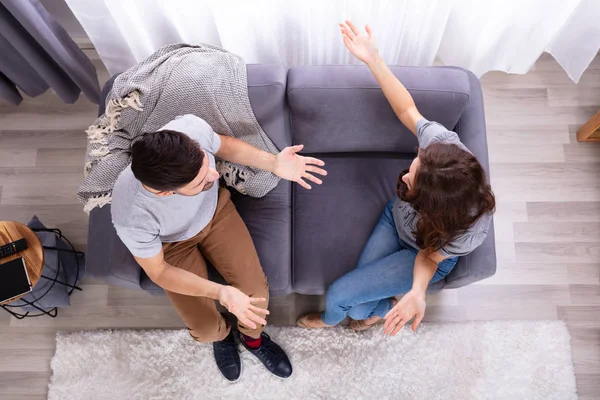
point(177, 79)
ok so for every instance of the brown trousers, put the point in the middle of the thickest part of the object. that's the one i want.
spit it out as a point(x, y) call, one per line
point(227, 244)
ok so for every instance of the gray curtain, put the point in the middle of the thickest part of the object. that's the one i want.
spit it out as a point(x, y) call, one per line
point(36, 53)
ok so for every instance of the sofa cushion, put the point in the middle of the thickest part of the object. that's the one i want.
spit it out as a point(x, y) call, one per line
point(269, 220)
point(332, 222)
point(107, 257)
point(342, 108)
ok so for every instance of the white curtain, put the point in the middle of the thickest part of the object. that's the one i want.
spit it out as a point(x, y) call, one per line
point(480, 35)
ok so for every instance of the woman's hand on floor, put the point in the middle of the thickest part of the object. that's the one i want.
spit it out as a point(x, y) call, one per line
point(412, 305)
point(242, 306)
point(361, 44)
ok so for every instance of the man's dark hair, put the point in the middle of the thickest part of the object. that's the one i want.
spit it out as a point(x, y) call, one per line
point(166, 160)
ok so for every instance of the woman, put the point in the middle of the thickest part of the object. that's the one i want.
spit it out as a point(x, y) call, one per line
point(442, 211)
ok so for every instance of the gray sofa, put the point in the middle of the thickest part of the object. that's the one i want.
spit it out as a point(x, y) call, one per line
point(307, 239)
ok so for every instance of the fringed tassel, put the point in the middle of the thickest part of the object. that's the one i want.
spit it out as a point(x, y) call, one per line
point(99, 152)
point(97, 135)
point(232, 176)
point(98, 201)
point(87, 168)
point(110, 120)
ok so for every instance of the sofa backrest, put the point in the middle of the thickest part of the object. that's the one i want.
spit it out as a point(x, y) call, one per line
point(341, 108)
point(267, 94)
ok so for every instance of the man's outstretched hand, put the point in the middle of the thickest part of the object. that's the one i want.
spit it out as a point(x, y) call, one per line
point(297, 168)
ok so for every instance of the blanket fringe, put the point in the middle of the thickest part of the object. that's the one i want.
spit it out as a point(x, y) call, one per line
point(101, 141)
point(98, 201)
point(87, 168)
point(233, 177)
point(95, 132)
point(97, 136)
point(109, 122)
point(100, 152)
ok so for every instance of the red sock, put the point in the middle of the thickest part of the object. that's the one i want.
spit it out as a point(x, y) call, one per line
point(251, 342)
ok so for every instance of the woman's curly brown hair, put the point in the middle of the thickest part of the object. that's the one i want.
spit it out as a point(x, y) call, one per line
point(449, 191)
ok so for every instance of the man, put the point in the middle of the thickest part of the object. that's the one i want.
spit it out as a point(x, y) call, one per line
point(171, 214)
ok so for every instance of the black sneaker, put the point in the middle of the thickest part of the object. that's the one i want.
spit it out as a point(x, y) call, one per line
point(272, 356)
point(228, 358)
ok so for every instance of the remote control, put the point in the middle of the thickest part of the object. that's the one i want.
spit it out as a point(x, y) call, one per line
point(13, 248)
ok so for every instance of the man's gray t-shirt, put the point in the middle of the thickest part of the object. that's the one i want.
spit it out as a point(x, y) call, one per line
point(144, 221)
point(405, 216)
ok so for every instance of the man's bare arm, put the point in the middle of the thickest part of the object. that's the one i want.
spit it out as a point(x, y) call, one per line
point(178, 280)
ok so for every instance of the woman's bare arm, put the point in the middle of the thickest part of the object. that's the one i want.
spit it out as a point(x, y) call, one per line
point(364, 47)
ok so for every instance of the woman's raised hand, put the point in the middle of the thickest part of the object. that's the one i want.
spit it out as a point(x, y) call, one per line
point(361, 44)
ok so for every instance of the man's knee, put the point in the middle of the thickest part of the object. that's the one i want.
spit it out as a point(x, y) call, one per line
point(209, 330)
point(209, 333)
point(255, 286)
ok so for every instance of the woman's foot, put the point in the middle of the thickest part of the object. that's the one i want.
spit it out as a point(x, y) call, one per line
point(364, 324)
point(311, 321)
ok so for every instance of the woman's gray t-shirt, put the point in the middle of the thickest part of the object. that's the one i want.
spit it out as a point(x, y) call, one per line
point(405, 216)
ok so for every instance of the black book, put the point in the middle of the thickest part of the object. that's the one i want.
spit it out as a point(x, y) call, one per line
point(14, 280)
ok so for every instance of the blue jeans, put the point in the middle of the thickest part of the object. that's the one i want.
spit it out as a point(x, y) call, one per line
point(384, 270)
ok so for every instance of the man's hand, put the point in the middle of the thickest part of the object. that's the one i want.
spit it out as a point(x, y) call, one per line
point(287, 164)
point(296, 168)
point(362, 45)
point(240, 305)
point(412, 305)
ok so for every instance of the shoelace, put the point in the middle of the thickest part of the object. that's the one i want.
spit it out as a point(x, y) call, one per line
point(228, 354)
point(270, 354)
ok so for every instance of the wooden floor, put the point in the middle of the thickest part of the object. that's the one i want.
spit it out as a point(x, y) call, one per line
point(547, 224)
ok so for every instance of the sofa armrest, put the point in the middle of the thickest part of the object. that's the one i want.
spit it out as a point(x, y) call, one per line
point(107, 257)
point(481, 263)
point(471, 125)
point(478, 265)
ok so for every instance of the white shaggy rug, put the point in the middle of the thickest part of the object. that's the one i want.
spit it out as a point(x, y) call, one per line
point(476, 360)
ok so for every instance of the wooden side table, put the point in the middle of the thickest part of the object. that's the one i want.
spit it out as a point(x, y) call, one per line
point(34, 260)
point(33, 254)
point(590, 131)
